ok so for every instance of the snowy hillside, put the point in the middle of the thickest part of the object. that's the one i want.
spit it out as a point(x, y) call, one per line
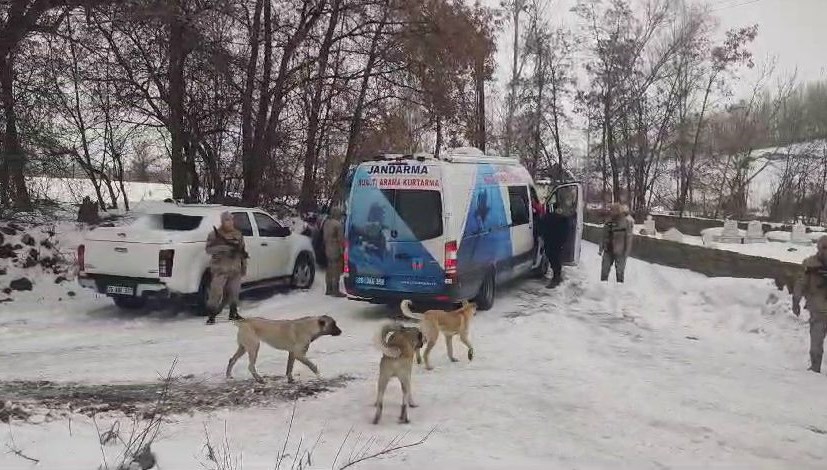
point(672, 369)
point(73, 190)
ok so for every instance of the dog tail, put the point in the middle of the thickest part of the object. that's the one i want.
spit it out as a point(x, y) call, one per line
point(405, 305)
point(382, 340)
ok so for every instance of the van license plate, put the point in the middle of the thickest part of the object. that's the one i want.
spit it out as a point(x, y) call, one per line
point(370, 281)
point(120, 290)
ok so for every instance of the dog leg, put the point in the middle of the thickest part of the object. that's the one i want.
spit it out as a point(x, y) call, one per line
point(464, 338)
point(252, 356)
point(428, 348)
point(380, 396)
point(239, 352)
point(304, 360)
point(418, 356)
point(449, 344)
point(406, 396)
point(410, 391)
point(291, 359)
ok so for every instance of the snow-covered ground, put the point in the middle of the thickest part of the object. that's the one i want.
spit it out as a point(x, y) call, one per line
point(672, 369)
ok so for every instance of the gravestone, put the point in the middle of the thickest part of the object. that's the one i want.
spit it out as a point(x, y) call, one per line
point(673, 235)
point(730, 233)
point(799, 235)
point(755, 233)
point(649, 227)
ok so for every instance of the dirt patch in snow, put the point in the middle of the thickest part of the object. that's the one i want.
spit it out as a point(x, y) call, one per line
point(45, 400)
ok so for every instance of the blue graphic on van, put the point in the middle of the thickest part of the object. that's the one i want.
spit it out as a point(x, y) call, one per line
point(486, 240)
point(384, 253)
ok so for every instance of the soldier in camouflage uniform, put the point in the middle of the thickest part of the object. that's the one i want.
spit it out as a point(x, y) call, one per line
point(617, 242)
point(812, 286)
point(227, 266)
point(333, 235)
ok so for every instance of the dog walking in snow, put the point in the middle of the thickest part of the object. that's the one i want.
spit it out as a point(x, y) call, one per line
point(399, 344)
point(449, 322)
point(293, 336)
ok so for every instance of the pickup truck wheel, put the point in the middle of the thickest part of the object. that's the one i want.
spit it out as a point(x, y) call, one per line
point(129, 303)
point(485, 298)
point(304, 272)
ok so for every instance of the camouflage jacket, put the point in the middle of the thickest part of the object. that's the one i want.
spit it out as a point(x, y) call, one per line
point(227, 251)
point(617, 236)
point(812, 286)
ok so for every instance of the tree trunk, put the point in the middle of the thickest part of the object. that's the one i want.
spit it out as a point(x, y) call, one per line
point(308, 189)
point(438, 137)
point(250, 160)
point(359, 109)
point(177, 92)
point(479, 85)
point(12, 177)
point(512, 94)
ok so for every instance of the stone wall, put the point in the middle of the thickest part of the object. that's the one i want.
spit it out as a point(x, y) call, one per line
point(686, 225)
point(707, 261)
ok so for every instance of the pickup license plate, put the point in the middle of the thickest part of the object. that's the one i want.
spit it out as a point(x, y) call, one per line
point(370, 281)
point(120, 290)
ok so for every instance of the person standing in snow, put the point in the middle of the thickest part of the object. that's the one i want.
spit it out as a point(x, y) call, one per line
point(228, 264)
point(812, 286)
point(333, 235)
point(554, 228)
point(617, 242)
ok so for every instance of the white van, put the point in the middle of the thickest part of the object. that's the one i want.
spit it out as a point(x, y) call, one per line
point(443, 230)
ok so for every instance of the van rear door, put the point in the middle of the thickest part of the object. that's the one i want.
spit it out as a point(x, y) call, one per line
point(569, 198)
point(395, 228)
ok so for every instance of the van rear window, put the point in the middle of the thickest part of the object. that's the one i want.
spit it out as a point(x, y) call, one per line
point(180, 222)
point(420, 210)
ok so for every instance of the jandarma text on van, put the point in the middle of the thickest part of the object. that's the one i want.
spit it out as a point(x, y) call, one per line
point(398, 170)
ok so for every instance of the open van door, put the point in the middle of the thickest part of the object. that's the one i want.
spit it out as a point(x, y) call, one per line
point(569, 197)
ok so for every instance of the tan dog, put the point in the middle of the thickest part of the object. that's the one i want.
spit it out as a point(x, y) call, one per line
point(293, 336)
point(449, 322)
point(399, 344)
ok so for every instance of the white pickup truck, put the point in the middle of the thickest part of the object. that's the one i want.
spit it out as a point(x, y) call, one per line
point(162, 254)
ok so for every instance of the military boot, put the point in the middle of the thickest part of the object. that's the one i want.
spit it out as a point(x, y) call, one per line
point(234, 313)
point(211, 317)
point(815, 363)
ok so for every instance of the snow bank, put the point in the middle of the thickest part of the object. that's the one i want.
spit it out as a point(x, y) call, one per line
point(73, 190)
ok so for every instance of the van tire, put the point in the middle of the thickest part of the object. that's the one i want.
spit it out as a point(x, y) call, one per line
point(488, 290)
point(127, 302)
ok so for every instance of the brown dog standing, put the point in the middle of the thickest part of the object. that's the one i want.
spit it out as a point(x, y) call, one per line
point(399, 344)
point(293, 336)
point(449, 322)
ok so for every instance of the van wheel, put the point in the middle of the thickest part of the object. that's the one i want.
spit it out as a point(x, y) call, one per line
point(304, 272)
point(202, 295)
point(128, 302)
point(485, 298)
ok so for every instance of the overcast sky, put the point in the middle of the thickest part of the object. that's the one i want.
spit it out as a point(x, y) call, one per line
point(793, 31)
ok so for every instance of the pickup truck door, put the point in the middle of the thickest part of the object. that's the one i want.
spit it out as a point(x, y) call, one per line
point(243, 224)
point(275, 247)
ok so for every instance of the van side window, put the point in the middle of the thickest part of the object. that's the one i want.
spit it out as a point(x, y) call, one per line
point(242, 223)
point(520, 209)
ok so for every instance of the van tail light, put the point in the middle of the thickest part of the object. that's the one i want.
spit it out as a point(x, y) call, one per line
point(81, 257)
point(346, 259)
point(165, 259)
point(450, 262)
